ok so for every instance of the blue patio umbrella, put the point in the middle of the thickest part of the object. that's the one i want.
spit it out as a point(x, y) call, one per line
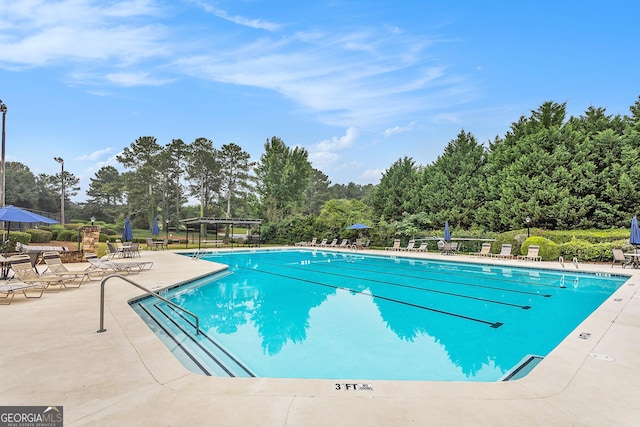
point(358, 226)
point(11, 214)
point(155, 230)
point(447, 233)
point(127, 231)
point(634, 238)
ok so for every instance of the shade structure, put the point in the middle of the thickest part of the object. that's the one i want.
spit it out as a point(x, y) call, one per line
point(634, 238)
point(127, 231)
point(447, 233)
point(155, 229)
point(358, 226)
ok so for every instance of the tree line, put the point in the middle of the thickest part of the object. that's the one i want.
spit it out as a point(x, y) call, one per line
point(560, 172)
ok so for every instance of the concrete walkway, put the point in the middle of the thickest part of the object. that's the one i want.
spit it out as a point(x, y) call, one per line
point(51, 354)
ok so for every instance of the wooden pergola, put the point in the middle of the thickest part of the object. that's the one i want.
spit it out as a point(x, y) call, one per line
point(253, 239)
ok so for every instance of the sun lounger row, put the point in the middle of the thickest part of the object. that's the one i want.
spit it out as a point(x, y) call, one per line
point(505, 252)
point(56, 276)
point(345, 243)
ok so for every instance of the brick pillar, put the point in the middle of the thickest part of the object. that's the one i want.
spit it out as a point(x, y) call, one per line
point(90, 239)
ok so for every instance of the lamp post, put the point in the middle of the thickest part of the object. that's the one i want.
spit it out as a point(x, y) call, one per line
point(166, 229)
point(528, 220)
point(61, 161)
point(92, 219)
point(3, 110)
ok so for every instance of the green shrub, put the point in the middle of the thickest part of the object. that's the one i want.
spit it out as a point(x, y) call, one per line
point(39, 235)
point(68, 236)
point(549, 250)
point(15, 237)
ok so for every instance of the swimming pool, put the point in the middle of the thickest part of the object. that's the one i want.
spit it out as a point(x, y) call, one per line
point(323, 314)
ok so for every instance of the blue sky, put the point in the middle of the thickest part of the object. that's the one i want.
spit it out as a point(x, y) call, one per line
point(358, 84)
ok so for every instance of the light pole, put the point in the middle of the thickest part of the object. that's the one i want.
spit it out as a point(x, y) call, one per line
point(528, 220)
point(93, 218)
point(166, 230)
point(3, 110)
point(61, 161)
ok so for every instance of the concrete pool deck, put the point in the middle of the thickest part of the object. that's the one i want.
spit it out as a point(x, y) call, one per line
point(52, 355)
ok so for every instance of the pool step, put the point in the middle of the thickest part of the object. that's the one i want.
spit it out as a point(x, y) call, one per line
point(198, 352)
point(522, 368)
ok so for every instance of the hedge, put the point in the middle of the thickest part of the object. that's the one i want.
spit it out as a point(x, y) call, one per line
point(40, 236)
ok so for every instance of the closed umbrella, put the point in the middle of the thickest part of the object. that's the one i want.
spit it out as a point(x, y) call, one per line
point(634, 238)
point(447, 233)
point(127, 231)
point(155, 230)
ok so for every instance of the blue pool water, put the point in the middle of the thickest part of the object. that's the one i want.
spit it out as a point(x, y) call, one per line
point(321, 314)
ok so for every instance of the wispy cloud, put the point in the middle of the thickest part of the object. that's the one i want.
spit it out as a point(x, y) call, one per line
point(361, 78)
point(399, 129)
point(237, 19)
point(96, 155)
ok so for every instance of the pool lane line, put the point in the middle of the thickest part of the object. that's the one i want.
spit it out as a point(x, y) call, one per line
point(524, 307)
point(514, 291)
point(214, 358)
point(494, 325)
point(467, 274)
point(435, 291)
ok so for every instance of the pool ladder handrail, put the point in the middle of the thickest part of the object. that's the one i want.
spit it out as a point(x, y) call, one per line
point(155, 294)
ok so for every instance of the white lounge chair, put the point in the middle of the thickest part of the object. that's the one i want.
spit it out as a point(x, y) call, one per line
point(395, 247)
point(484, 251)
point(505, 251)
point(532, 254)
point(9, 290)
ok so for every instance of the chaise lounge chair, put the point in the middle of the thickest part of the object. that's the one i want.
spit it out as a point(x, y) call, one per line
point(484, 251)
point(116, 266)
point(422, 248)
point(56, 267)
point(505, 252)
point(9, 290)
point(21, 266)
point(532, 254)
point(395, 247)
point(410, 245)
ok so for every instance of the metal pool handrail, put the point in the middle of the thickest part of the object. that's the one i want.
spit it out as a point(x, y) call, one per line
point(104, 281)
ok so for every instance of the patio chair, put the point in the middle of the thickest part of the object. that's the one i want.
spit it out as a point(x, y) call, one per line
point(9, 290)
point(322, 243)
point(131, 251)
point(619, 256)
point(505, 251)
point(21, 266)
point(532, 254)
point(313, 241)
point(484, 251)
point(410, 245)
point(440, 245)
point(395, 247)
point(56, 267)
point(448, 248)
point(114, 250)
point(150, 245)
